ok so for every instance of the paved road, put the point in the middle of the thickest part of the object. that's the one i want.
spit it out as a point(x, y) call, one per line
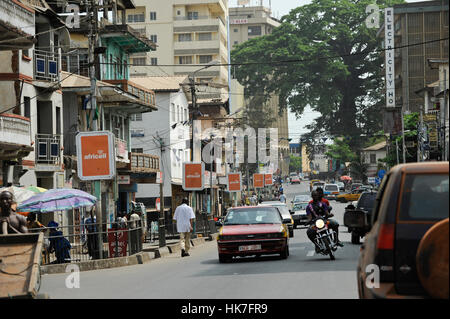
point(303, 275)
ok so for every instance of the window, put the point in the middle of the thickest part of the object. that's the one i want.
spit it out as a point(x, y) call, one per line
point(153, 15)
point(425, 197)
point(183, 37)
point(172, 110)
point(154, 61)
point(186, 117)
point(205, 59)
point(139, 61)
point(136, 117)
point(136, 18)
point(254, 30)
point(185, 60)
point(137, 133)
point(207, 36)
point(154, 38)
point(193, 15)
point(178, 12)
point(236, 42)
point(26, 106)
point(236, 30)
point(137, 150)
point(373, 158)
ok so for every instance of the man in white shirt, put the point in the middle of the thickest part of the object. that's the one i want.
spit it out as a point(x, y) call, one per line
point(184, 217)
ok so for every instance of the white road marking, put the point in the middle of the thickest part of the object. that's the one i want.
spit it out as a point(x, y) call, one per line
point(310, 253)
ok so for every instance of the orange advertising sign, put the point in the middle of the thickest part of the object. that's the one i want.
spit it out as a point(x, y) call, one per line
point(258, 180)
point(234, 182)
point(193, 176)
point(268, 179)
point(95, 155)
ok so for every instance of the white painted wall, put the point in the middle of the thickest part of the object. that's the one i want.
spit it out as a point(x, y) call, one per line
point(159, 123)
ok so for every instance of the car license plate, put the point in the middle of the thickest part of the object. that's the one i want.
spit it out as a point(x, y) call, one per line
point(249, 247)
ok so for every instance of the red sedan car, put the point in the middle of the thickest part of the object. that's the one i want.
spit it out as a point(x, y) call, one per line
point(258, 230)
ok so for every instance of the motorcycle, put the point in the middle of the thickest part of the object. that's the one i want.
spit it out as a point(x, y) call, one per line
point(325, 238)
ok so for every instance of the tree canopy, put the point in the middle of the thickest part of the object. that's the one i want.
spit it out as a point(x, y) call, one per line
point(337, 70)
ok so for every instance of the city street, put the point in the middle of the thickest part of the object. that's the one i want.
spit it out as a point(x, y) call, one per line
point(304, 275)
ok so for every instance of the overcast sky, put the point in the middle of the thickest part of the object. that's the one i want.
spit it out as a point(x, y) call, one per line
point(280, 8)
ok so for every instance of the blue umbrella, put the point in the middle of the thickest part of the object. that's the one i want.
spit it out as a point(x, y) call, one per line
point(57, 200)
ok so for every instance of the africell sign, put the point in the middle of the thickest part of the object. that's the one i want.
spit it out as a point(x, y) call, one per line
point(193, 176)
point(234, 182)
point(95, 155)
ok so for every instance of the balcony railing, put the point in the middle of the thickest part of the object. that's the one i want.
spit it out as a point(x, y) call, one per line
point(15, 129)
point(48, 149)
point(145, 95)
point(145, 163)
point(46, 66)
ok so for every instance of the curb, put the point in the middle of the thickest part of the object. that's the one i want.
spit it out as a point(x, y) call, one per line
point(143, 257)
point(136, 259)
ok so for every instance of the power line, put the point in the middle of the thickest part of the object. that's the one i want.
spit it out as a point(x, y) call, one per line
point(288, 61)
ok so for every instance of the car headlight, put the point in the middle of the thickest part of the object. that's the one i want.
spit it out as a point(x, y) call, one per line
point(320, 223)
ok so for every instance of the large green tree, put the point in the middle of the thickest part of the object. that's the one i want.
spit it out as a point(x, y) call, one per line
point(337, 68)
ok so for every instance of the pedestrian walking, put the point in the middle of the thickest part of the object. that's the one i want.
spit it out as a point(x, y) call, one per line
point(184, 217)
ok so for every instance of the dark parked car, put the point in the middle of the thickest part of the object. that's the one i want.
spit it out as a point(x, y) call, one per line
point(253, 231)
point(358, 218)
point(411, 202)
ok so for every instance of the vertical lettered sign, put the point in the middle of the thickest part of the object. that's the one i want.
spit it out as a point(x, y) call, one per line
point(389, 54)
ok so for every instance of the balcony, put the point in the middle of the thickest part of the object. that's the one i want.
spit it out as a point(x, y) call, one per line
point(143, 163)
point(48, 152)
point(212, 24)
point(16, 25)
point(46, 66)
point(15, 136)
point(145, 96)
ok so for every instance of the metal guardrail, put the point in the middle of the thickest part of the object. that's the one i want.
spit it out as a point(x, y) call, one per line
point(77, 243)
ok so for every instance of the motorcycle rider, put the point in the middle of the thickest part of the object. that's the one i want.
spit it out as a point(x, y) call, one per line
point(317, 208)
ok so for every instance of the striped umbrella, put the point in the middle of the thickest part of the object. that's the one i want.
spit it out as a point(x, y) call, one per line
point(36, 189)
point(57, 200)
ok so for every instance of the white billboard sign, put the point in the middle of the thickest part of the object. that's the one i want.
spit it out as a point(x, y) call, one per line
point(389, 54)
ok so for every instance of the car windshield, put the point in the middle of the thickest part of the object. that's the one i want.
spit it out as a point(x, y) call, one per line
point(331, 188)
point(425, 197)
point(366, 201)
point(300, 206)
point(302, 198)
point(250, 216)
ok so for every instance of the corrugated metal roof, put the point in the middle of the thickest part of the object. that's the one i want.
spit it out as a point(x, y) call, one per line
point(160, 83)
point(376, 147)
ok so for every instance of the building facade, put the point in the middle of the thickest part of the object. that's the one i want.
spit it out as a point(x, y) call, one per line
point(187, 33)
point(247, 23)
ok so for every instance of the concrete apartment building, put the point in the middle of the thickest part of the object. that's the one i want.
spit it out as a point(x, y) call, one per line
point(418, 22)
point(186, 32)
point(247, 23)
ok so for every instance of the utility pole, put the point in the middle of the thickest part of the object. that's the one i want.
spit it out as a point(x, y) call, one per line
point(161, 223)
point(194, 118)
point(91, 11)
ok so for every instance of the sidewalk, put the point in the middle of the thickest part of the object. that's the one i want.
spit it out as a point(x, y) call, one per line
point(150, 251)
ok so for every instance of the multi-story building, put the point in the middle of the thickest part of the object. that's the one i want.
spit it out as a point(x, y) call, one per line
point(247, 23)
point(371, 155)
point(419, 29)
point(414, 24)
point(30, 90)
point(187, 33)
point(166, 130)
point(118, 100)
